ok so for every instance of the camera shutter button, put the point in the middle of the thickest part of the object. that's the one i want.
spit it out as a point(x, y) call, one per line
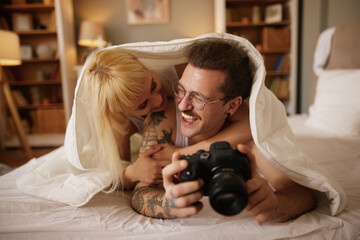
point(205, 155)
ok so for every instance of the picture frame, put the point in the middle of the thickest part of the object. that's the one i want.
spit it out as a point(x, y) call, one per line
point(22, 22)
point(273, 13)
point(26, 52)
point(147, 12)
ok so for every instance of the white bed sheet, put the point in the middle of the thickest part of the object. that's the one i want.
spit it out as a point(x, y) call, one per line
point(111, 217)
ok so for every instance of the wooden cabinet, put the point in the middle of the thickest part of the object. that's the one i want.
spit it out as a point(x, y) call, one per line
point(271, 26)
point(36, 84)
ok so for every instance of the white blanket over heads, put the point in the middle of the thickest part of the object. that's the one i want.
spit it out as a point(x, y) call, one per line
point(271, 133)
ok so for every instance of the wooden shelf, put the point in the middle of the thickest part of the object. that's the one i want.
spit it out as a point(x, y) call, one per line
point(36, 32)
point(259, 24)
point(272, 39)
point(41, 103)
point(29, 7)
point(39, 60)
point(252, 2)
point(40, 106)
point(34, 82)
point(276, 74)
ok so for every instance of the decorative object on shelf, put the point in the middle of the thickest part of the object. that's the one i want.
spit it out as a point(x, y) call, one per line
point(52, 22)
point(245, 18)
point(35, 95)
point(10, 56)
point(26, 51)
point(40, 76)
point(91, 35)
point(22, 22)
point(44, 50)
point(48, 2)
point(273, 13)
point(276, 39)
point(147, 12)
point(18, 1)
point(255, 17)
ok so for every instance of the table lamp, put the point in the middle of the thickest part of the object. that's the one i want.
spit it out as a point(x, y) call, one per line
point(10, 56)
point(91, 35)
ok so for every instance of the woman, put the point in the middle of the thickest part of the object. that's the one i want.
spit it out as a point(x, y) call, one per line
point(121, 92)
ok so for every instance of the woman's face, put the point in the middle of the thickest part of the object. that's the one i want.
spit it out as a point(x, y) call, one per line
point(152, 99)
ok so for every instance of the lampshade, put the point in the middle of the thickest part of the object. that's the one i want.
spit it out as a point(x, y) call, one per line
point(91, 34)
point(9, 48)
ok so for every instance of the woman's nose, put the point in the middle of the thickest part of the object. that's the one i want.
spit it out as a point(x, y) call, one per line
point(157, 100)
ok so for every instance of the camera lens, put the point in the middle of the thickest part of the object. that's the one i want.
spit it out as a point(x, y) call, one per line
point(227, 193)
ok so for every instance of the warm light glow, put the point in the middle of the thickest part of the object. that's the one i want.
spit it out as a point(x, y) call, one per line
point(91, 35)
point(9, 48)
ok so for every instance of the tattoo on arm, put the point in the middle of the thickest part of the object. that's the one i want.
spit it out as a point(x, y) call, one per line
point(151, 137)
point(150, 201)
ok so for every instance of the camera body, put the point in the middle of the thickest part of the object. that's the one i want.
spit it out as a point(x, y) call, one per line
point(224, 171)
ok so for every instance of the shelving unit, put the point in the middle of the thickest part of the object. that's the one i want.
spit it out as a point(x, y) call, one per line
point(36, 84)
point(275, 39)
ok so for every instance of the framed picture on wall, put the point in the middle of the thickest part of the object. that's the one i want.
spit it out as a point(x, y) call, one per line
point(147, 11)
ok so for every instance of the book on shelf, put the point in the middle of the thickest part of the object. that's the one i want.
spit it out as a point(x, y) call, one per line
point(278, 63)
point(19, 98)
point(280, 87)
point(276, 39)
point(283, 64)
point(55, 74)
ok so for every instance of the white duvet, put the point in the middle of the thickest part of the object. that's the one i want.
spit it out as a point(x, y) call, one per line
point(75, 179)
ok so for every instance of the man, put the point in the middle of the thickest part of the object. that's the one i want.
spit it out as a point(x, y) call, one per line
point(212, 89)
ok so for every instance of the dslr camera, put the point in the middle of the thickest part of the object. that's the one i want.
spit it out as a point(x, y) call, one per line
point(224, 171)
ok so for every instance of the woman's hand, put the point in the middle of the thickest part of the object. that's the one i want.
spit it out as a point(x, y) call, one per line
point(146, 169)
point(166, 151)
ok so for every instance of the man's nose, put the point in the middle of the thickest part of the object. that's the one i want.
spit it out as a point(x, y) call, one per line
point(184, 104)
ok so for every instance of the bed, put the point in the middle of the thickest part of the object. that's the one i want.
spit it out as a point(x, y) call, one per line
point(111, 217)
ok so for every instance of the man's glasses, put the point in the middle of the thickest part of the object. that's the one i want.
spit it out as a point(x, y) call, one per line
point(197, 100)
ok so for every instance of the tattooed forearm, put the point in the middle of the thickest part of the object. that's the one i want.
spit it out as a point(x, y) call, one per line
point(156, 118)
point(150, 201)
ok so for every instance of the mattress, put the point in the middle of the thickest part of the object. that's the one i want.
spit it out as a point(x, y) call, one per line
point(111, 216)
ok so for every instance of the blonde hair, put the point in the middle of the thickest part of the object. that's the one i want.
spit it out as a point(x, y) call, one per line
point(113, 80)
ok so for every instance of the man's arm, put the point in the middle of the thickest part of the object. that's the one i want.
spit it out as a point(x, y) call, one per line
point(149, 200)
point(288, 201)
point(180, 200)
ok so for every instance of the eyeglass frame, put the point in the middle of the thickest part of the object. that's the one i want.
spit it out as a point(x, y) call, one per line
point(198, 94)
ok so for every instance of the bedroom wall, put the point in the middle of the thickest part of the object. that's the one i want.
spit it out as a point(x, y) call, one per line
point(188, 18)
point(319, 15)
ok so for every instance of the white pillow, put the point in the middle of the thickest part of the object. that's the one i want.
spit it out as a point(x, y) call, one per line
point(336, 108)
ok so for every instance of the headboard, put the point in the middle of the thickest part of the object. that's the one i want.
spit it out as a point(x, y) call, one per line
point(344, 53)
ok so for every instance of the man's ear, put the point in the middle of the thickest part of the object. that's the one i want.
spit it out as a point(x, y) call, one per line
point(234, 104)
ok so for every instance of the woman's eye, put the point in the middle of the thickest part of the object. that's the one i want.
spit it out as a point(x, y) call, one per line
point(142, 106)
point(153, 85)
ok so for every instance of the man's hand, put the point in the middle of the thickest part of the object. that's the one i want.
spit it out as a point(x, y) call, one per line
point(184, 197)
point(146, 169)
point(262, 201)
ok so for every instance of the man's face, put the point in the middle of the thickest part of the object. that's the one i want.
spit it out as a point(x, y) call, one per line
point(199, 125)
